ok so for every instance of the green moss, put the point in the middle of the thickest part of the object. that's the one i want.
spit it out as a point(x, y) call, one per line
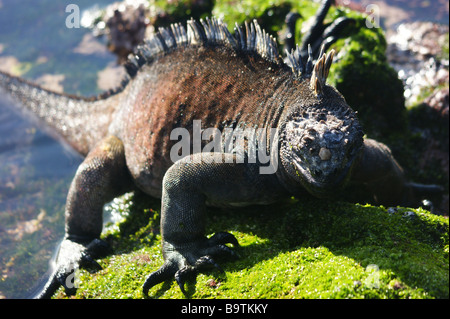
point(21, 68)
point(178, 11)
point(445, 49)
point(270, 14)
point(371, 87)
point(308, 249)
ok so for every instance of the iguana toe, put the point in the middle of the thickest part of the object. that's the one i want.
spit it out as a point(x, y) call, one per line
point(72, 256)
point(184, 273)
point(182, 263)
point(223, 238)
point(89, 263)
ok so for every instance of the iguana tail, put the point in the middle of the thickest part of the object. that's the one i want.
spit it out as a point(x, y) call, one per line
point(81, 122)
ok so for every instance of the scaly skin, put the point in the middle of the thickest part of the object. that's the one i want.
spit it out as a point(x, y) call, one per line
point(226, 82)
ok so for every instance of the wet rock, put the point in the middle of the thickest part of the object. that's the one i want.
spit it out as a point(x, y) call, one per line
point(415, 51)
point(51, 82)
point(27, 227)
point(128, 22)
point(438, 101)
point(90, 45)
point(370, 85)
point(126, 28)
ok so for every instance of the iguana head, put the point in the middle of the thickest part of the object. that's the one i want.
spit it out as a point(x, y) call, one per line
point(321, 135)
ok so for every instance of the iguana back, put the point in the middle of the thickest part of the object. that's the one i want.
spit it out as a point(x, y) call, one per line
point(215, 85)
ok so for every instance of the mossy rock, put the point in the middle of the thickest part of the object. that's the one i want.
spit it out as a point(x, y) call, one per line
point(370, 85)
point(308, 249)
point(168, 12)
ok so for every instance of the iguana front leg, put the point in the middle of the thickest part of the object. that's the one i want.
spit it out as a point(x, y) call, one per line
point(187, 186)
point(377, 173)
point(102, 176)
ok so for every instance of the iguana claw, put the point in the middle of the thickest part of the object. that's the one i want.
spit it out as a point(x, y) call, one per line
point(181, 262)
point(72, 256)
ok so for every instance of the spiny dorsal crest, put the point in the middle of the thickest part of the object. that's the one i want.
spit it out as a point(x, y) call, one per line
point(320, 72)
point(208, 31)
point(251, 38)
point(317, 72)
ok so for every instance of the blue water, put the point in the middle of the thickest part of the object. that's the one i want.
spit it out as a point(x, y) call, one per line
point(36, 169)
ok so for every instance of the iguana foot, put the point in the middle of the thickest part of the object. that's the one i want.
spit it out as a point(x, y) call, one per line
point(182, 261)
point(71, 257)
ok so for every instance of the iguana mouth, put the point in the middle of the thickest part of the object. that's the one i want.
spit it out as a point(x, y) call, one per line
point(320, 184)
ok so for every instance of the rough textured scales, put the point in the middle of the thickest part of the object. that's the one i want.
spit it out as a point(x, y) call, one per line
point(202, 72)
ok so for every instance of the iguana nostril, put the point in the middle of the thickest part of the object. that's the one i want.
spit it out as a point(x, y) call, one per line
point(324, 154)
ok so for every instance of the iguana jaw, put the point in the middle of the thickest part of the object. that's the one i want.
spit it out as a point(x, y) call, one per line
point(325, 185)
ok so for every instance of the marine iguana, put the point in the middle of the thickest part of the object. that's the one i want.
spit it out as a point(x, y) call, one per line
point(204, 73)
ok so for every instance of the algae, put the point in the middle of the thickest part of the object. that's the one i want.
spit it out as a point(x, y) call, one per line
point(298, 249)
